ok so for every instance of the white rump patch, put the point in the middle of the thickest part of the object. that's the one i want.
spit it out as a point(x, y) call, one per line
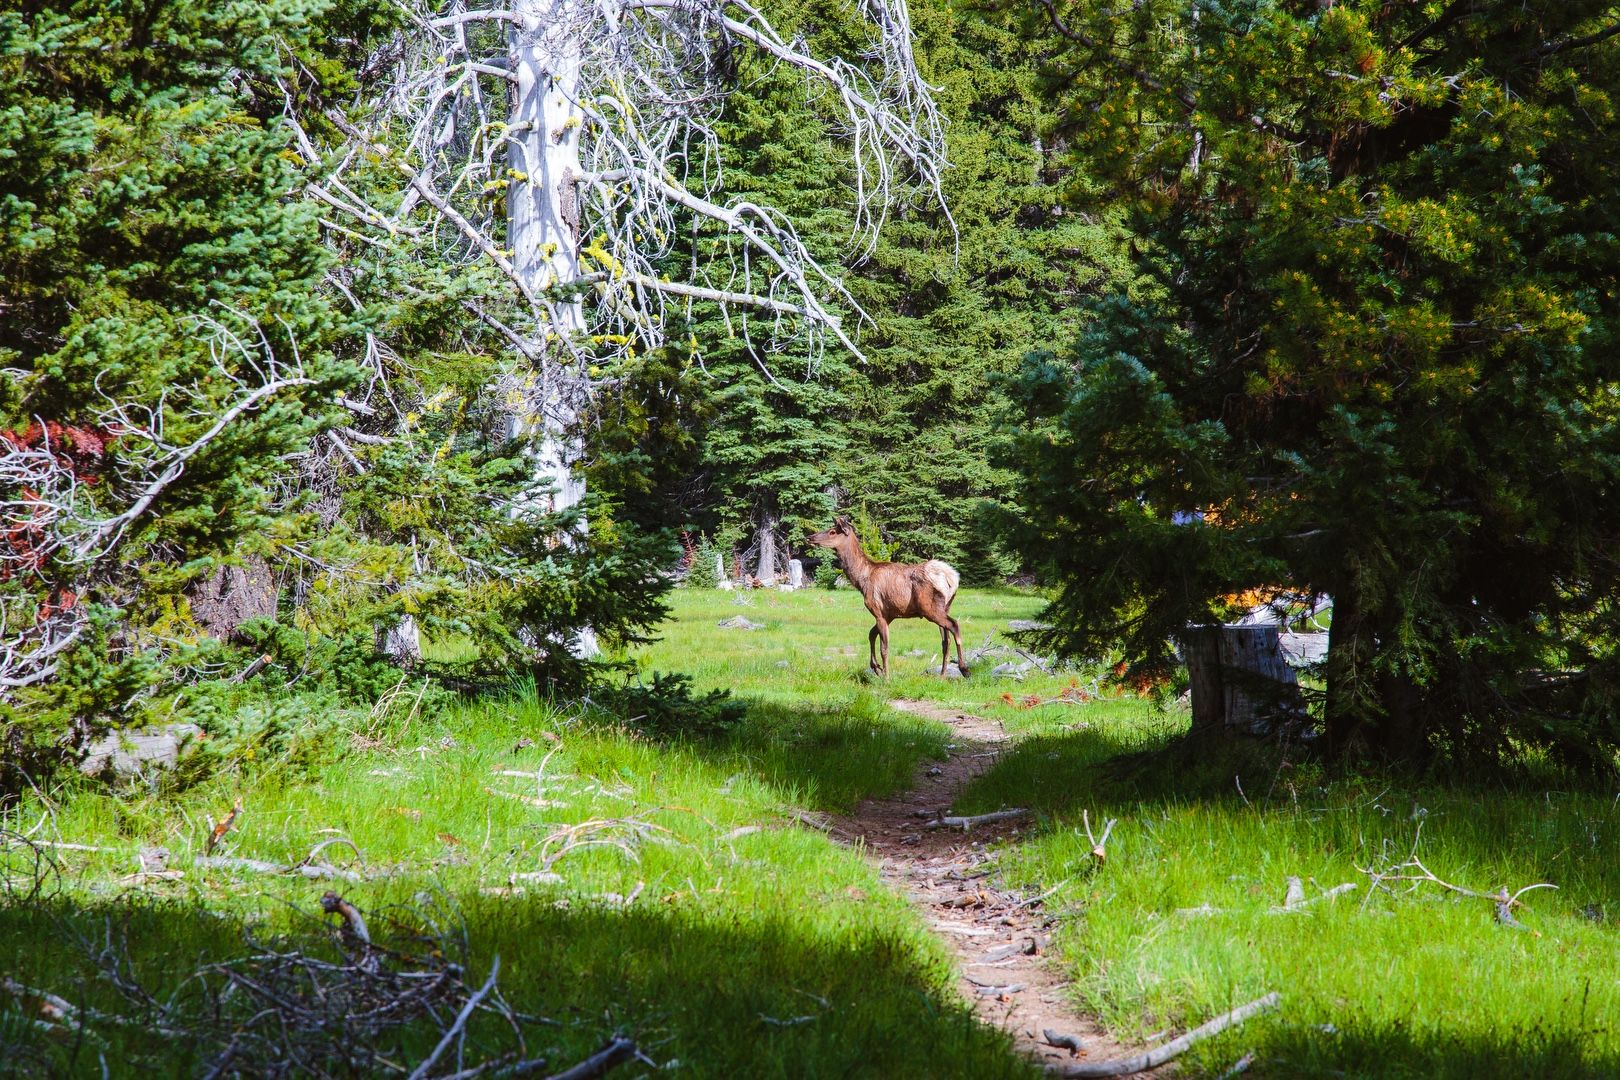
point(943, 576)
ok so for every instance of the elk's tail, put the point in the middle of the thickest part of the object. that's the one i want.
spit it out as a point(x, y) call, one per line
point(943, 576)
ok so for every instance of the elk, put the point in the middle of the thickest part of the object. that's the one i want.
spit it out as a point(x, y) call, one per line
point(897, 591)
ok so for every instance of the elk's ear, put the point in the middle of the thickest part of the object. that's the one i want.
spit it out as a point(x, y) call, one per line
point(842, 524)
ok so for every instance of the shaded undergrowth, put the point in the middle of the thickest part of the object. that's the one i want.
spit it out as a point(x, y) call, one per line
point(700, 995)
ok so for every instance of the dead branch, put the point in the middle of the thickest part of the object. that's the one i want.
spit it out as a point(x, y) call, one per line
point(1099, 846)
point(285, 1007)
point(1152, 1059)
point(217, 832)
point(43, 1006)
point(1033, 900)
point(253, 669)
point(1299, 903)
point(456, 1028)
point(1201, 909)
point(313, 871)
point(617, 1051)
point(966, 823)
point(354, 930)
point(1414, 874)
point(228, 862)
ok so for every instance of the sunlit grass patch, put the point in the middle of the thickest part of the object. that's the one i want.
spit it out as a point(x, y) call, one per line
point(1181, 922)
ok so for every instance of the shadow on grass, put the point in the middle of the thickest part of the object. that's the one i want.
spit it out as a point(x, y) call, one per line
point(822, 757)
point(721, 998)
point(834, 756)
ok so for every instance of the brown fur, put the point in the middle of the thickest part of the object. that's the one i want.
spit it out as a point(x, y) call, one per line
point(897, 591)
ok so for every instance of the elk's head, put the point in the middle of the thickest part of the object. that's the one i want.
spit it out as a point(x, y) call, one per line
point(836, 535)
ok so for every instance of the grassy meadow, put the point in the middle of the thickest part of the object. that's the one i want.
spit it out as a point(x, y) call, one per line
point(697, 907)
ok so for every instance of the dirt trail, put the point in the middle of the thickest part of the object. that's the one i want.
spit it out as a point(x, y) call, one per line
point(999, 938)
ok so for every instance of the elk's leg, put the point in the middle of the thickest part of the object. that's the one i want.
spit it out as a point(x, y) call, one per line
point(883, 635)
point(944, 648)
point(956, 631)
point(871, 649)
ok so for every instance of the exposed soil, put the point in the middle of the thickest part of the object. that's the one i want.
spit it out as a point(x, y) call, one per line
point(1000, 937)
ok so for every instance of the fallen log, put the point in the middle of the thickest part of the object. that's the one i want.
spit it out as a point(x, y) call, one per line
point(1152, 1059)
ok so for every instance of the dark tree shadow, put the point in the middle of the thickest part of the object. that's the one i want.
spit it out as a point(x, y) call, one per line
point(721, 997)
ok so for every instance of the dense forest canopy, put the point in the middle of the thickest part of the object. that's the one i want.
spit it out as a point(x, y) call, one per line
point(1376, 361)
point(1158, 304)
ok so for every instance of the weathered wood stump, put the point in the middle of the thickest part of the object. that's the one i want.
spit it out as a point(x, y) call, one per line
point(125, 754)
point(231, 595)
point(1240, 681)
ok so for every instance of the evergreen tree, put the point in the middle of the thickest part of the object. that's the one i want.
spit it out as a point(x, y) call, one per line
point(954, 297)
point(1378, 361)
point(165, 342)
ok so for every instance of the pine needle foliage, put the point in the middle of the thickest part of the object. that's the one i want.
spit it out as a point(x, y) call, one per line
point(1377, 361)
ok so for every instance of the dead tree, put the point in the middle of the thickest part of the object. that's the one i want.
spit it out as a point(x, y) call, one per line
point(571, 144)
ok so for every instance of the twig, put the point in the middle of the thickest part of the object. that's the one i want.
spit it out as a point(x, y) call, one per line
point(966, 823)
point(617, 1051)
point(1061, 1041)
point(1099, 847)
point(1152, 1059)
point(455, 1029)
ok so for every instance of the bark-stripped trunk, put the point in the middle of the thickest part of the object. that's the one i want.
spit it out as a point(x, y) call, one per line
point(401, 642)
point(765, 568)
point(543, 229)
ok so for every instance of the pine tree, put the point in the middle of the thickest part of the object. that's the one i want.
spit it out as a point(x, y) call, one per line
point(165, 342)
point(1376, 362)
point(954, 300)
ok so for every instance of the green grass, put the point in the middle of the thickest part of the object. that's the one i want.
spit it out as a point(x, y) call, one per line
point(725, 929)
point(730, 928)
point(1425, 984)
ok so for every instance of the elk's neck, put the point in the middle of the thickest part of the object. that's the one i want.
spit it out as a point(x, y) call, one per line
point(857, 566)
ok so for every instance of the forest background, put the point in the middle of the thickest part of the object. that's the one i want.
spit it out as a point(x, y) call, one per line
point(1210, 298)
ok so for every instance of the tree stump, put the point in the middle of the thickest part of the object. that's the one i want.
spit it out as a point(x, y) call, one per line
point(795, 574)
point(766, 568)
point(232, 595)
point(1240, 681)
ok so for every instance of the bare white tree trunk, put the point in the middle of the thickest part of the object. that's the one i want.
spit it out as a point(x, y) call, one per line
point(543, 231)
point(608, 153)
point(765, 568)
point(401, 642)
